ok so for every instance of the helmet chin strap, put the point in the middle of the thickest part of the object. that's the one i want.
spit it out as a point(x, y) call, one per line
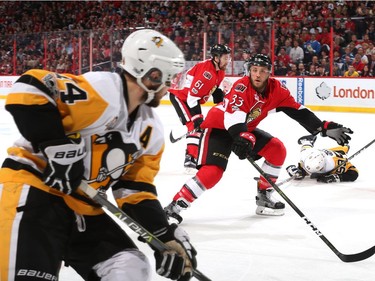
point(150, 93)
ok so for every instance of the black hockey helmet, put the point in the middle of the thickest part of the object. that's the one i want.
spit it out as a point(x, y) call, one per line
point(219, 49)
point(260, 60)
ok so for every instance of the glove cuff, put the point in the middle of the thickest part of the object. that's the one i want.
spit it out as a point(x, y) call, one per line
point(64, 151)
point(236, 129)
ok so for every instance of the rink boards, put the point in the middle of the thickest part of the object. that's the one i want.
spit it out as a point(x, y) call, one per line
point(321, 94)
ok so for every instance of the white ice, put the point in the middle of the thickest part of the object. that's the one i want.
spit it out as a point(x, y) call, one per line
point(234, 244)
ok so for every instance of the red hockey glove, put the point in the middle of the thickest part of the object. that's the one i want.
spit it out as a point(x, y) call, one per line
point(336, 131)
point(243, 144)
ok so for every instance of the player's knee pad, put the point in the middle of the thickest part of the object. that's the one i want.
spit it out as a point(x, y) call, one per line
point(209, 175)
point(274, 152)
point(130, 265)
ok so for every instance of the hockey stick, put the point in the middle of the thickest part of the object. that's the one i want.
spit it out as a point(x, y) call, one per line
point(132, 224)
point(345, 258)
point(282, 182)
point(315, 175)
point(176, 139)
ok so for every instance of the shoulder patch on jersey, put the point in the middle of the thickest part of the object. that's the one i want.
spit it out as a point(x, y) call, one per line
point(207, 75)
point(240, 88)
point(50, 80)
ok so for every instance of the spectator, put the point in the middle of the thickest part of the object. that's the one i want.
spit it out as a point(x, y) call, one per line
point(301, 70)
point(321, 71)
point(358, 64)
point(296, 53)
point(366, 71)
point(372, 64)
point(336, 70)
point(280, 69)
point(345, 64)
point(311, 48)
point(292, 71)
point(283, 56)
point(351, 72)
point(312, 70)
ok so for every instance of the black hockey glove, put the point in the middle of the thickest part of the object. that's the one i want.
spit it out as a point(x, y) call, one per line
point(197, 120)
point(295, 172)
point(64, 170)
point(329, 178)
point(336, 131)
point(178, 262)
point(218, 95)
point(243, 144)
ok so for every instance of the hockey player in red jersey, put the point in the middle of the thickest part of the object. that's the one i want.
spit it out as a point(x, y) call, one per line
point(100, 127)
point(200, 82)
point(327, 165)
point(232, 126)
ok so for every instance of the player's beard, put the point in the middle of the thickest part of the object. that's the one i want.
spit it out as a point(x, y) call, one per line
point(260, 88)
point(155, 102)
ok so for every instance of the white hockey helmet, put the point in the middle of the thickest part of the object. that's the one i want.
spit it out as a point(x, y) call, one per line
point(145, 51)
point(315, 161)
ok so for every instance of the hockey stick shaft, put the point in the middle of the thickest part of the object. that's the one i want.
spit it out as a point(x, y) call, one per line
point(282, 182)
point(345, 258)
point(315, 175)
point(132, 224)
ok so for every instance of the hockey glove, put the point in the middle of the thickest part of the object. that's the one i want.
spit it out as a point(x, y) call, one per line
point(243, 144)
point(295, 172)
point(329, 178)
point(336, 131)
point(197, 120)
point(218, 95)
point(64, 170)
point(179, 261)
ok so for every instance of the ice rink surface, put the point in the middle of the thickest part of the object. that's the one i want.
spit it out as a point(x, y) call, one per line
point(234, 244)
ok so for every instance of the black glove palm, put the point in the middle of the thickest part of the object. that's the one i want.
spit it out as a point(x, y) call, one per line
point(329, 178)
point(336, 131)
point(64, 170)
point(179, 261)
point(243, 144)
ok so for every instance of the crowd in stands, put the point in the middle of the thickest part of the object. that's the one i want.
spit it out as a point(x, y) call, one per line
point(49, 35)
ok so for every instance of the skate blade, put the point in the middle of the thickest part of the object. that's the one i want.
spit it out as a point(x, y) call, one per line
point(264, 211)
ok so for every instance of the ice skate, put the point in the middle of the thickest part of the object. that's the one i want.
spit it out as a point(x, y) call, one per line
point(190, 165)
point(267, 206)
point(307, 140)
point(174, 208)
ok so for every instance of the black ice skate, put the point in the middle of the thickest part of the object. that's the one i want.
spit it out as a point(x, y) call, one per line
point(174, 208)
point(267, 206)
point(307, 140)
point(190, 164)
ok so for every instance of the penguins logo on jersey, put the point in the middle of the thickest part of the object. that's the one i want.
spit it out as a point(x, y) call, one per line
point(158, 41)
point(113, 156)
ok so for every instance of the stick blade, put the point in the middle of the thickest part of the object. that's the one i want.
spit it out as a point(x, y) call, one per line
point(177, 134)
point(357, 257)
